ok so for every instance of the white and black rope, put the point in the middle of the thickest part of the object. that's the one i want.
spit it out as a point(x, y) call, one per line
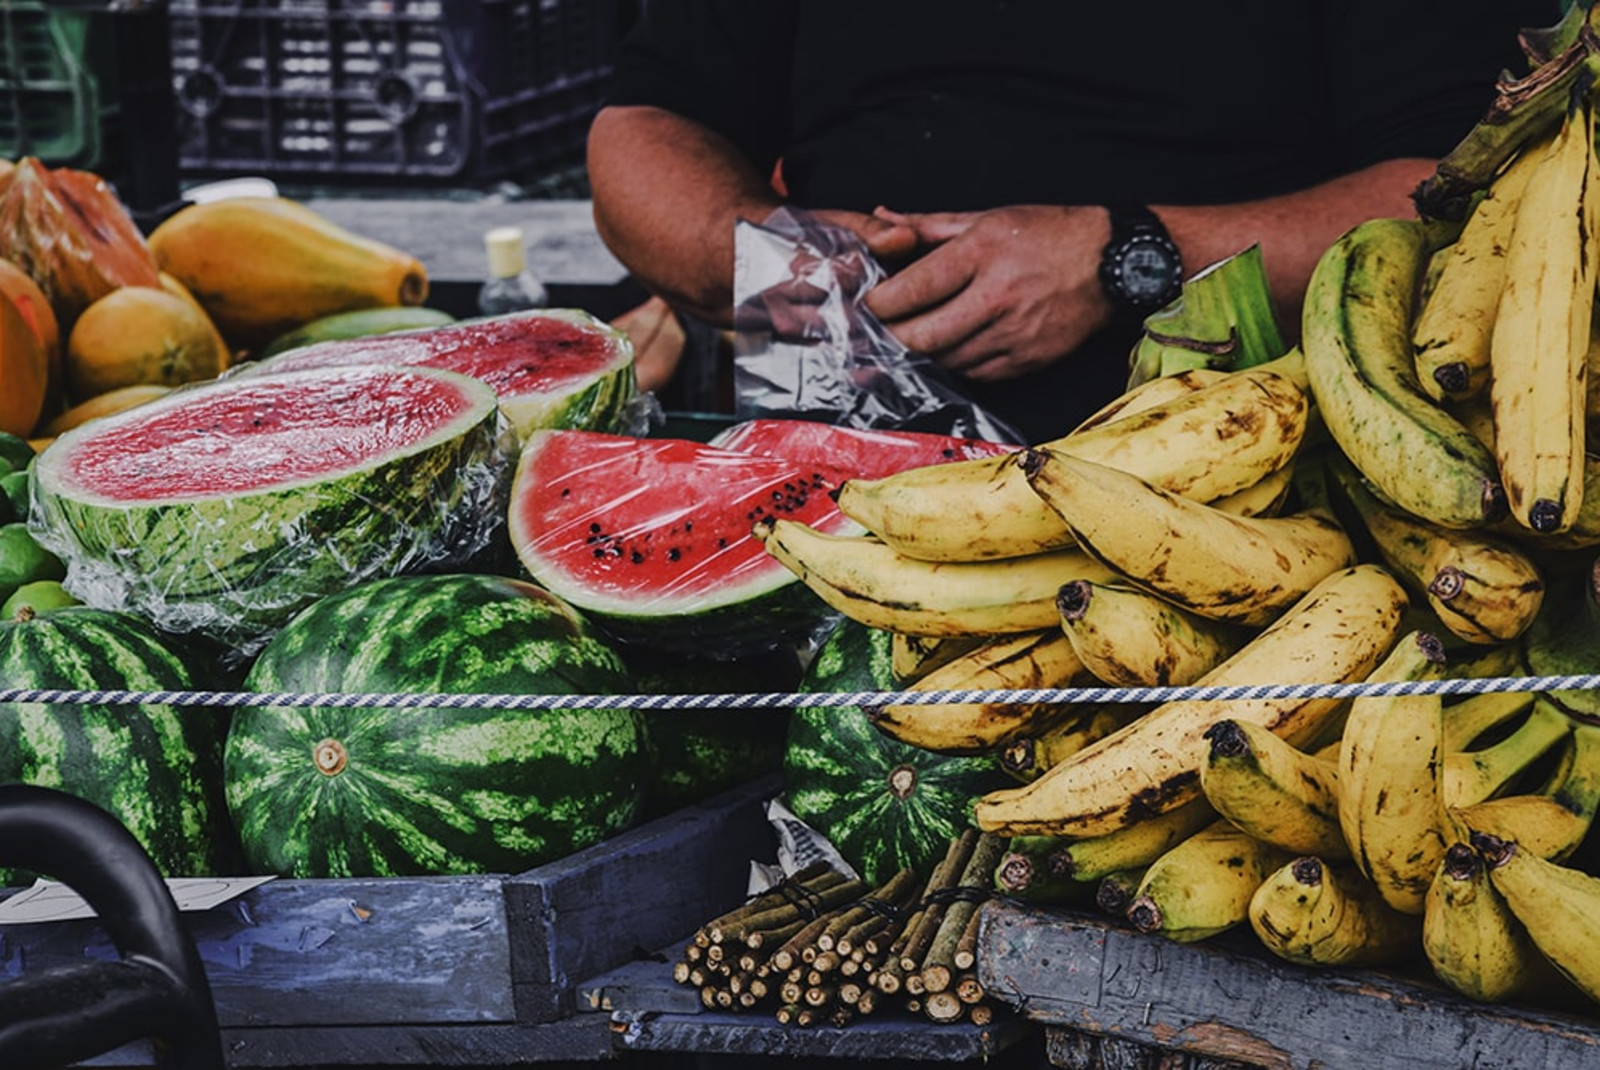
point(785, 699)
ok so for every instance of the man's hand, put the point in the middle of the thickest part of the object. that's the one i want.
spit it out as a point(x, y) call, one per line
point(998, 293)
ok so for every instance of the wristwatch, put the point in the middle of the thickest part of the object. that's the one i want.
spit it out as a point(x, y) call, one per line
point(1140, 268)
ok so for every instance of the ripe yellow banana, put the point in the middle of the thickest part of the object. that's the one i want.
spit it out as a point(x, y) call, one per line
point(1485, 590)
point(1205, 444)
point(1336, 633)
point(1202, 886)
point(1127, 637)
point(1318, 915)
point(1356, 333)
point(911, 656)
point(1585, 529)
point(870, 582)
point(1030, 660)
point(1244, 570)
point(1265, 497)
point(1135, 846)
point(1471, 938)
point(1027, 757)
point(1557, 905)
point(1275, 792)
point(1471, 776)
point(1149, 394)
point(1539, 348)
point(1453, 325)
point(1391, 801)
point(1551, 826)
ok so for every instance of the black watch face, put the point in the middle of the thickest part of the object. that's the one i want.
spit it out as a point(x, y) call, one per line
point(1146, 273)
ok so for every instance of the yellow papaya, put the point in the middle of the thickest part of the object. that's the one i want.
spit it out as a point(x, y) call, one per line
point(140, 334)
point(124, 397)
point(24, 371)
point(261, 266)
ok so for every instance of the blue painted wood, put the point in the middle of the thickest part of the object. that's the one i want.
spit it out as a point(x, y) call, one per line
point(1228, 999)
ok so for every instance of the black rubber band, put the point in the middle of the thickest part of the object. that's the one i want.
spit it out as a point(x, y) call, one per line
point(958, 893)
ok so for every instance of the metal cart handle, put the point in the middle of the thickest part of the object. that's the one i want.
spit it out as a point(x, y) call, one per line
point(158, 989)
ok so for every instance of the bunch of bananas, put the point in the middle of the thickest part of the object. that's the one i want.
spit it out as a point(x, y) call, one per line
point(1392, 502)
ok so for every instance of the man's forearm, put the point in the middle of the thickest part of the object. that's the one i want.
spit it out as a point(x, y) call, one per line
point(1296, 228)
point(667, 192)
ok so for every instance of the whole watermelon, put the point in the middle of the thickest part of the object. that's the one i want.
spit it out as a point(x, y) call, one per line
point(884, 804)
point(330, 792)
point(696, 753)
point(156, 768)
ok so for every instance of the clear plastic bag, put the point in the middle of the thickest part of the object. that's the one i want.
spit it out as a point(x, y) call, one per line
point(806, 346)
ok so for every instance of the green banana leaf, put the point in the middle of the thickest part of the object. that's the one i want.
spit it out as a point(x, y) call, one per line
point(1223, 319)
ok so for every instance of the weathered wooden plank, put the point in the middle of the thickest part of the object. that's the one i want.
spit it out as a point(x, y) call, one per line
point(609, 904)
point(424, 950)
point(586, 1039)
point(885, 1036)
point(1225, 999)
point(639, 987)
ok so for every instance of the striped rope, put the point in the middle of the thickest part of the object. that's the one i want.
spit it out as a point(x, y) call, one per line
point(773, 700)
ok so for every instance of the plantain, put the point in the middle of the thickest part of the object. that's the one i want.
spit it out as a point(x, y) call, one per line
point(872, 583)
point(1127, 637)
point(1027, 757)
point(1483, 589)
point(1557, 905)
point(1315, 914)
point(1243, 570)
point(1275, 792)
point(1140, 844)
point(1471, 776)
point(911, 656)
point(1550, 825)
point(1356, 334)
point(1041, 659)
point(1338, 632)
point(1539, 349)
point(1203, 885)
point(1204, 444)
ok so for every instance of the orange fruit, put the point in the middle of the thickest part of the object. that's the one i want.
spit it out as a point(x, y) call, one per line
point(140, 335)
point(24, 371)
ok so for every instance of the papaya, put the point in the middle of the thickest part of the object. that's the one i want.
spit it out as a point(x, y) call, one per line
point(35, 308)
point(178, 289)
point(140, 334)
point(24, 372)
point(68, 231)
point(261, 266)
point(111, 401)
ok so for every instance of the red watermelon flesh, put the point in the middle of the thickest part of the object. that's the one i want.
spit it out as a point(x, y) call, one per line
point(652, 536)
point(861, 454)
point(549, 368)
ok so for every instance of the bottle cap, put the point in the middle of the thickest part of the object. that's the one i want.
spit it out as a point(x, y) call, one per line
point(507, 256)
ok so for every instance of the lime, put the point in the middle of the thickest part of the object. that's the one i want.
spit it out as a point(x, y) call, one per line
point(22, 560)
point(14, 487)
point(15, 451)
point(40, 596)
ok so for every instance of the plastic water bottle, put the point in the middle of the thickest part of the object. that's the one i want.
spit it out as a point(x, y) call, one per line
point(511, 287)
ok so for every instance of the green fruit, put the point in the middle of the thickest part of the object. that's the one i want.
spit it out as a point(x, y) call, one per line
point(22, 560)
point(343, 792)
point(361, 323)
point(39, 597)
point(15, 451)
point(156, 768)
point(884, 804)
point(14, 487)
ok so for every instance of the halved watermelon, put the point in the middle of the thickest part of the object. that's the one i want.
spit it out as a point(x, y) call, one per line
point(559, 368)
point(862, 453)
point(651, 537)
point(226, 507)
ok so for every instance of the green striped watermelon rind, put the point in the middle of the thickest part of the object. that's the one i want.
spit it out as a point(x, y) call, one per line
point(741, 614)
point(156, 768)
point(841, 771)
point(236, 566)
point(430, 790)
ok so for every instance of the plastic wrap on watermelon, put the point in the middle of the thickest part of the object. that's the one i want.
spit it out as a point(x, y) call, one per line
point(805, 343)
point(652, 538)
point(226, 507)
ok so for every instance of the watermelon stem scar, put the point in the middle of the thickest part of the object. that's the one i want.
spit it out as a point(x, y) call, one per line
point(330, 757)
point(902, 781)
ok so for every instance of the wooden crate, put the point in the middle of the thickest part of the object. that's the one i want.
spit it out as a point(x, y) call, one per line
point(1225, 999)
point(444, 971)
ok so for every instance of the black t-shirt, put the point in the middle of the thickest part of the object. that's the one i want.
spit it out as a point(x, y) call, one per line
point(928, 106)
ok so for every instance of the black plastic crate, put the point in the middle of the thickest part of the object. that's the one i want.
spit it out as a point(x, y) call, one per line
point(52, 104)
point(413, 89)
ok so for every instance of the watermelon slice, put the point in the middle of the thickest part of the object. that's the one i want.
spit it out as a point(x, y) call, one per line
point(861, 453)
point(557, 368)
point(651, 537)
point(226, 507)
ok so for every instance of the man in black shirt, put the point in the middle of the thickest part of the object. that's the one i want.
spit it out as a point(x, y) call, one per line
point(980, 148)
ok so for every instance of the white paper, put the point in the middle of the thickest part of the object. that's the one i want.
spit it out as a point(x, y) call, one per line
point(54, 901)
